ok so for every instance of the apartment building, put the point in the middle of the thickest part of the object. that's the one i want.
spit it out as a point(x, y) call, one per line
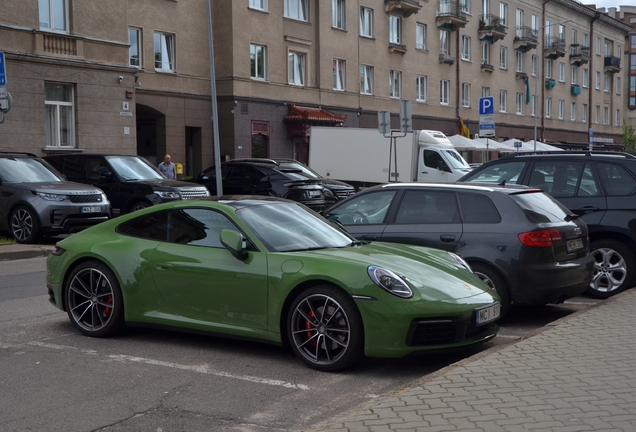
point(132, 76)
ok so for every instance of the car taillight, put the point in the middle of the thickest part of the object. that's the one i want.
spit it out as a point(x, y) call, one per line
point(540, 238)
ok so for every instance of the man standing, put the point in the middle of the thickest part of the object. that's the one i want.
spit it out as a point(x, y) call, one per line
point(167, 168)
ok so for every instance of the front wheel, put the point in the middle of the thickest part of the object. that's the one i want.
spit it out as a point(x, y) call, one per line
point(325, 329)
point(93, 300)
point(25, 225)
point(614, 268)
point(491, 278)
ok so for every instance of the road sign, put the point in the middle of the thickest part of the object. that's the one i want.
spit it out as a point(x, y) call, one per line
point(487, 105)
point(3, 71)
point(518, 144)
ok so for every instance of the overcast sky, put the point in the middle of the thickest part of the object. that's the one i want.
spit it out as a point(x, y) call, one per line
point(610, 3)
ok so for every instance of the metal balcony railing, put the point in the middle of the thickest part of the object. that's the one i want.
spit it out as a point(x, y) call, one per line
point(579, 51)
point(527, 34)
point(555, 43)
point(452, 9)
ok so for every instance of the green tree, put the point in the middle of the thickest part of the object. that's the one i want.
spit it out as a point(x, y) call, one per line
point(629, 137)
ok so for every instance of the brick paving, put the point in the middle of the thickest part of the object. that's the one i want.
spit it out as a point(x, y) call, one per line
point(579, 375)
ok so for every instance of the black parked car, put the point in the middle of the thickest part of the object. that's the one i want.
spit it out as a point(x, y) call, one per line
point(520, 241)
point(244, 177)
point(130, 182)
point(600, 187)
point(334, 190)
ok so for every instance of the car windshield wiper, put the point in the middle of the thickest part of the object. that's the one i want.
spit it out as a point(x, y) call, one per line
point(357, 243)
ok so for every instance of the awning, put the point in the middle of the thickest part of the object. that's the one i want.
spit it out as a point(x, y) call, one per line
point(313, 116)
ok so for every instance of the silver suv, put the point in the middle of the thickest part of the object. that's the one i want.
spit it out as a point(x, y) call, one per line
point(36, 200)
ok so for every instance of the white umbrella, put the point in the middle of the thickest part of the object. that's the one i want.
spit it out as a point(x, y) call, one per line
point(524, 147)
point(460, 142)
point(494, 145)
point(541, 146)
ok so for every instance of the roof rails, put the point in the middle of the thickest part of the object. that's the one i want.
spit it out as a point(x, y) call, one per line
point(571, 152)
point(259, 160)
point(18, 153)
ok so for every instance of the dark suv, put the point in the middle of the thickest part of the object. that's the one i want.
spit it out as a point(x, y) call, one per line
point(334, 191)
point(520, 241)
point(599, 187)
point(37, 200)
point(130, 182)
point(245, 177)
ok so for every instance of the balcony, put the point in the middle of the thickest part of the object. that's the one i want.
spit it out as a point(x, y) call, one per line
point(554, 48)
point(521, 75)
point(451, 15)
point(612, 64)
point(59, 45)
point(579, 55)
point(398, 48)
point(575, 90)
point(406, 7)
point(485, 67)
point(447, 59)
point(491, 28)
point(526, 39)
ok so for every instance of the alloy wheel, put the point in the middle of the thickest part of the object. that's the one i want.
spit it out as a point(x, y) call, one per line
point(609, 272)
point(22, 224)
point(91, 299)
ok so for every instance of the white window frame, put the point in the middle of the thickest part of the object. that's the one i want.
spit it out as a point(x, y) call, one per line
point(617, 120)
point(535, 65)
point(548, 107)
point(561, 72)
point(606, 83)
point(561, 109)
point(395, 29)
point(503, 14)
point(573, 111)
point(519, 66)
point(135, 47)
point(618, 85)
point(164, 46)
point(548, 68)
point(586, 77)
point(598, 114)
point(519, 103)
point(420, 36)
point(338, 15)
point(606, 119)
point(444, 92)
point(584, 113)
point(296, 9)
point(366, 22)
point(48, 13)
point(534, 101)
point(339, 74)
point(466, 42)
point(503, 101)
point(444, 42)
point(54, 116)
point(255, 65)
point(503, 57)
point(485, 91)
point(598, 80)
point(485, 52)
point(598, 47)
point(574, 72)
point(420, 88)
point(395, 84)
point(366, 79)
point(260, 5)
point(466, 95)
point(296, 68)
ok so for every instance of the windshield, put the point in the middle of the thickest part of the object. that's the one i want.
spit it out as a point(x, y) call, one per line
point(134, 168)
point(306, 171)
point(456, 160)
point(25, 170)
point(289, 227)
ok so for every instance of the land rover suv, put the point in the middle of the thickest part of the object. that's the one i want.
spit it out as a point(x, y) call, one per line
point(598, 186)
point(130, 182)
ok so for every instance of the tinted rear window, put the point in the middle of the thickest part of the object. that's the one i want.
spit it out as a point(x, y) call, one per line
point(507, 172)
point(540, 208)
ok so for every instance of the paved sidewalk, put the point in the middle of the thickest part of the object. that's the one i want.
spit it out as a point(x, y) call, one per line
point(579, 375)
point(21, 251)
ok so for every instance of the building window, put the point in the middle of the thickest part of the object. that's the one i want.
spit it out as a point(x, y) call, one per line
point(366, 79)
point(519, 61)
point(134, 52)
point(257, 61)
point(465, 5)
point(338, 74)
point(534, 106)
point(584, 114)
point(574, 36)
point(586, 77)
point(485, 53)
point(420, 36)
point(598, 114)
point(606, 119)
point(548, 68)
point(466, 48)
point(395, 84)
point(503, 14)
point(535, 65)
point(561, 72)
point(617, 121)
point(164, 52)
point(366, 22)
point(466, 95)
point(296, 68)
point(297, 9)
point(548, 107)
point(503, 96)
point(338, 14)
point(606, 84)
point(53, 14)
point(519, 103)
point(60, 115)
point(444, 92)
point(573, 111)
point(574, 71)
point(598, 80)
point(503, 57)
point(485, 91)
point(444, 42)
point(618, 85)
point(420, 86)
point(395, 30)
point(561, 109)
point(598, 47)
point(258, 4)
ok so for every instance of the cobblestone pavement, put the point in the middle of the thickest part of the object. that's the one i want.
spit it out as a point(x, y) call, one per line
point(579, 375)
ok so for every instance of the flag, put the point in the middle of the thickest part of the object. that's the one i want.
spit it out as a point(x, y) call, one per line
point(463, 129)
point(527, 91)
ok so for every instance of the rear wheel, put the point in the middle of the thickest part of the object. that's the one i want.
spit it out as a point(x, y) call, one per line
point(614, 268)
point(325, 328)
point(139, 205)
point(25, 225)
point(491, 278)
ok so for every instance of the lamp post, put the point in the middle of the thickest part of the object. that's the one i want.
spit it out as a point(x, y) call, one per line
point(536, 78)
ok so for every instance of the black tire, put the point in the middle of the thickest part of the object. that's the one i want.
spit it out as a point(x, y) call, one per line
point(336, 340)
point(490, 277)
point(25, 225)
point(139, 205)
point(614, 268)
point(94, 301)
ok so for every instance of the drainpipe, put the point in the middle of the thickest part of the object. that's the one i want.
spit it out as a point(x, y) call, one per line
point(458, 85)
point(591, 69)
point(542, 74)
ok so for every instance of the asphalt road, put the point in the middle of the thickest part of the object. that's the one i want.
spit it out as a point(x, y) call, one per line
point(55, 379)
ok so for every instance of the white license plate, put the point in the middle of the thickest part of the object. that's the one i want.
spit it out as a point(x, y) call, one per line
point(574, 245)
point(488, 314)
point(314, 193)
point(93, 209)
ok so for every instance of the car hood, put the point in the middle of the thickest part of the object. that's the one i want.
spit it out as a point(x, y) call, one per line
point(62, 187)
point(433, 273)
point(335, 184)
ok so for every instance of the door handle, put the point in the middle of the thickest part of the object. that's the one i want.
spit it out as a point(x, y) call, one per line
point(369, 237)
point(586, 209)
point(163, 266)
point(449, 238)
point(424, 172)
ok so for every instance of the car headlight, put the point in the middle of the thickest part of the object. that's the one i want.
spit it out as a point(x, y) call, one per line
point(168, 195)
point(328, 192)
point(460, 261)
point(51, 197)
point(389, 281)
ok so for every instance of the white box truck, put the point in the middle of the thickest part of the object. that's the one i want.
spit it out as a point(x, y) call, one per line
point(360, 156)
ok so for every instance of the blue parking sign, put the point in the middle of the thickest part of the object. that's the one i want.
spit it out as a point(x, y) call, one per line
point(487, 105)
point(3, 71)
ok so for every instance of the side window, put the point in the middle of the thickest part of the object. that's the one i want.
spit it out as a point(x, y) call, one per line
point(151, 227)
point(71, 167)
point(618, 181)
point(427, 207)
point(588, 185)
point(432, 159)
point(95, 168)
point(242, 173)
point(498, 173)
point(558, 178)
point(478, 209)
point(198, 227)
point(368, 208)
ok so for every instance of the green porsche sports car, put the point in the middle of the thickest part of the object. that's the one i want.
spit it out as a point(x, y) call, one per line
point(271, 270)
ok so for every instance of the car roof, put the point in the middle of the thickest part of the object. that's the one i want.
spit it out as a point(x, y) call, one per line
point(563, 154)
point(18, 155)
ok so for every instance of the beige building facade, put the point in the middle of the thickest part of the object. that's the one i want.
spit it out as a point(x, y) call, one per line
point(132, 76)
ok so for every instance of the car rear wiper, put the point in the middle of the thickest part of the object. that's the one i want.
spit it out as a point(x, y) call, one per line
point(571, 217)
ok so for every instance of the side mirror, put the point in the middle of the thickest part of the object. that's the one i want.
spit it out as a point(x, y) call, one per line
point(107, 176)
point(441, 165)
point(233, 241)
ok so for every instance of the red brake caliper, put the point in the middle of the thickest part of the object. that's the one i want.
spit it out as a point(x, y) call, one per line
point(108, 310)
point(309, 325)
